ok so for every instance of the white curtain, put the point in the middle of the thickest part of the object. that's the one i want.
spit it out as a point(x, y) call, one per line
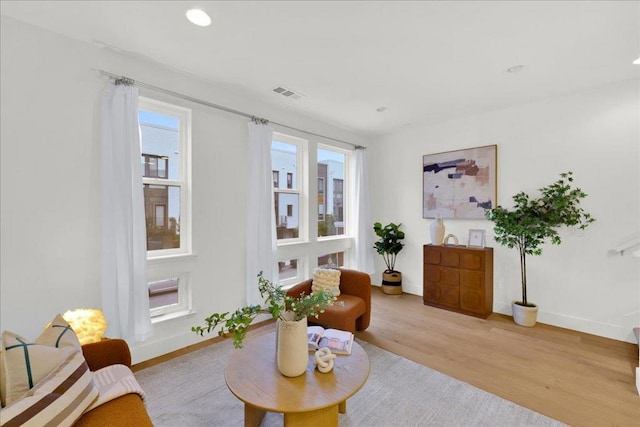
point(262, 254)
point(363, 250)
point(125, 299)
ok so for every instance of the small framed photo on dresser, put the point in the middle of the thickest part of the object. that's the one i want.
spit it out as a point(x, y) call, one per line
point(476, 239)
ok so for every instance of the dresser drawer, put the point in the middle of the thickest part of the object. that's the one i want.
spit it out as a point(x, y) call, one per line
point(455, 256)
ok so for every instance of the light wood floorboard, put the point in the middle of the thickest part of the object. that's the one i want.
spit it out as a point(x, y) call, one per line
point(573, 377)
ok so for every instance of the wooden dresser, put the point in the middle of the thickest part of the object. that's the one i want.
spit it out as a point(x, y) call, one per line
point(459, 278)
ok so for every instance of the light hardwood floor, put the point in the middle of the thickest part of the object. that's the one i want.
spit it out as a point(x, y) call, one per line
point(576, 378)
point(573, 377)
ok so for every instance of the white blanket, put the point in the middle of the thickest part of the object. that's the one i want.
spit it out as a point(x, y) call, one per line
point(114, 381)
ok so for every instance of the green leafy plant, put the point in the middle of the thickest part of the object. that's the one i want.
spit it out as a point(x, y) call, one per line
point(534, 221)
point(389, 244)
point(278, 304)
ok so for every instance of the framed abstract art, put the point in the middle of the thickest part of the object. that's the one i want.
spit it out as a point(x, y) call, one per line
point(459, 184)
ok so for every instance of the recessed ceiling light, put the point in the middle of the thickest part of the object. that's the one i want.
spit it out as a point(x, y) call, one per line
point(198, 17)
point(515, 69)
point(636, 62)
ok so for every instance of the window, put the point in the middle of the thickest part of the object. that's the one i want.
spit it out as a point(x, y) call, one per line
point(169, 295)
point(155, 166)
point(161, 215)
point(276, 179)
point(163, 292)
point(331, 173)
point(285, 157)
point(311, 207)
point(165, 176)
point(165, 140)
point(288, 269)
point(331, 260)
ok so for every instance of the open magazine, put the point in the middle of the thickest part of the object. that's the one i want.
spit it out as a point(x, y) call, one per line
point(339, 342)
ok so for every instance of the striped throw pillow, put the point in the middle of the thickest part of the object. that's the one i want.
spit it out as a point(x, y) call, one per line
point(59, 334)
point(26, 363)
point(23, 363)
point(59, 399)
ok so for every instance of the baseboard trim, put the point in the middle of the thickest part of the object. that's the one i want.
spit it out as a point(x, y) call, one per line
point(180, 344)
point(588, 326)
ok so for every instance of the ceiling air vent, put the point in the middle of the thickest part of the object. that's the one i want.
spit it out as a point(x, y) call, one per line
point(288, 93)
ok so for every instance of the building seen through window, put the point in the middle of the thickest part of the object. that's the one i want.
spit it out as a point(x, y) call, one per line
point(286, 192)
point(161, 164)
point(331, 175)
point(331, 260)
point(287, 269)
point(155, 166)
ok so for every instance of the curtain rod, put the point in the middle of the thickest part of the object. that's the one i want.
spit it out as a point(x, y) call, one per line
point(216, 106)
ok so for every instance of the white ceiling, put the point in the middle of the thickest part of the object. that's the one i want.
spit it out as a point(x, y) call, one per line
point(424, 62)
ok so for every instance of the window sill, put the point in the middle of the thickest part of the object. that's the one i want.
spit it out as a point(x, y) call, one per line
point(171, 316)
point(292, 242)
point(333, 238)
point(296, 242)
point(173, 258)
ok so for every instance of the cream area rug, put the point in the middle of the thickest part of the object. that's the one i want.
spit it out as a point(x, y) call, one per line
point(190, 391)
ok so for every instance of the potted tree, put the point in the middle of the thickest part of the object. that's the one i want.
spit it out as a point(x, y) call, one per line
point(388, 246)
point(534, 221)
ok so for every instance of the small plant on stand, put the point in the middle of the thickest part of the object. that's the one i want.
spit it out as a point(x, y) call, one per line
point(389, 245)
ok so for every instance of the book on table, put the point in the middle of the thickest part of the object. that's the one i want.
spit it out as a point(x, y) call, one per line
point(338, 341)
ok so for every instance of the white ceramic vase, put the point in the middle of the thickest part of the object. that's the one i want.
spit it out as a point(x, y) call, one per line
point(437, 231)
point(292, 350)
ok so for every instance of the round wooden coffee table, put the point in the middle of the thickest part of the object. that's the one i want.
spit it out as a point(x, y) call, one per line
point(312, 399)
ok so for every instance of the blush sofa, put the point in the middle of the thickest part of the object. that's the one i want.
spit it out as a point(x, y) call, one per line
point(127, 410)
point(353, 311)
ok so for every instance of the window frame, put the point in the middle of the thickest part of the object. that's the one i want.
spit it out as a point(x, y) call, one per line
point(164, 214)
point(166, 264)
point(298, 187)
point(308, 247)
point(184, 180)
point(184, 303)
point(346, 201)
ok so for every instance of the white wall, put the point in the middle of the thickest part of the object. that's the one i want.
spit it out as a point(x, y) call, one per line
point(50, 182)
point(595, 134)
point(49, 206)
